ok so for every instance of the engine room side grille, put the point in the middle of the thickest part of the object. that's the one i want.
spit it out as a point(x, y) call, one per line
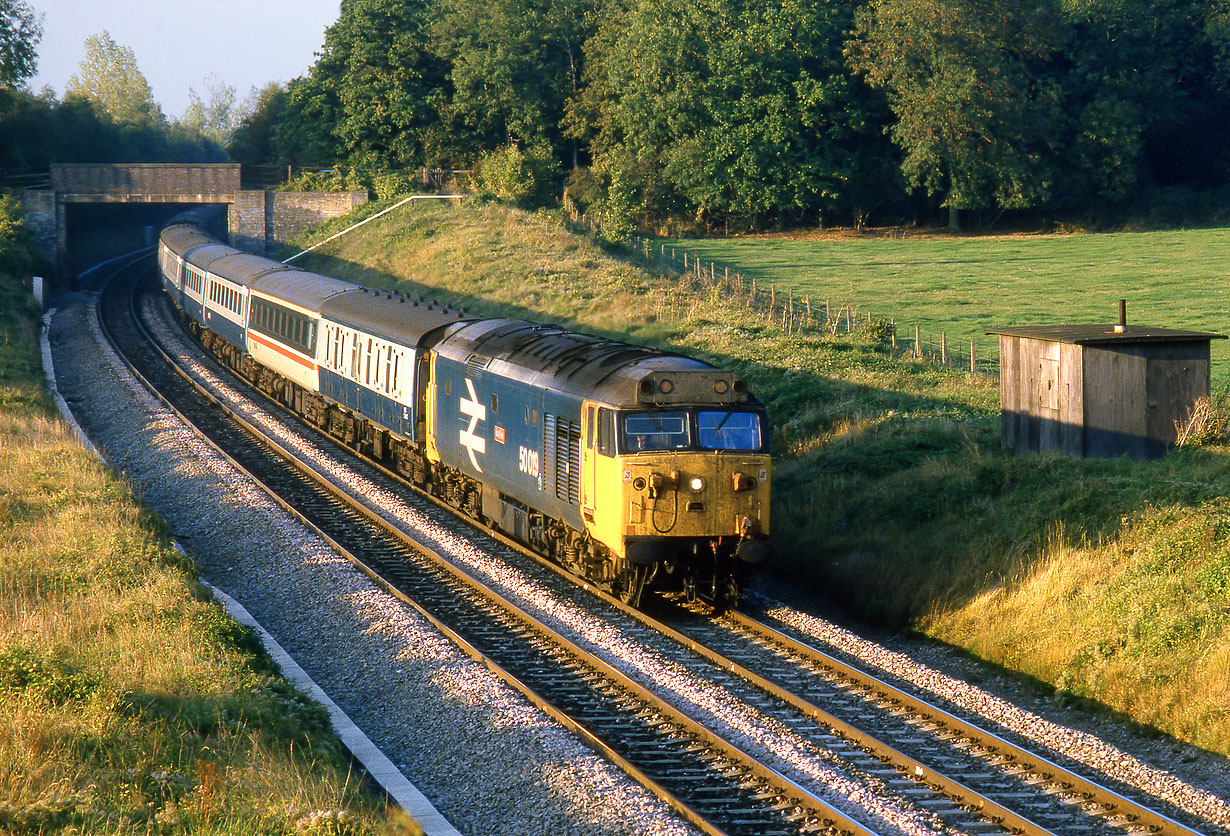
point(562, 445)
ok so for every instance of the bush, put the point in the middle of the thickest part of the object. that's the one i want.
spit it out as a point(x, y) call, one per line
point(1208, 422)
point(879, 331)
point(516, 175)
point(386, 184)
point(16, 245)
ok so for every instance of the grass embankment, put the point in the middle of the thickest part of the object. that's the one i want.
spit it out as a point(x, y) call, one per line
point(129, 701)
point(1108, 579)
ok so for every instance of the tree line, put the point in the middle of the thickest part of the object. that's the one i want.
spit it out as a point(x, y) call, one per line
point(107, 114)
point(735, 114)
point(745, 112)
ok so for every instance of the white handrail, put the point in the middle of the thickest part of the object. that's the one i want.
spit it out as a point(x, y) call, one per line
point(372, 218)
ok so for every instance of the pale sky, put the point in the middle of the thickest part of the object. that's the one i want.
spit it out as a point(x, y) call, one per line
point(180, 43)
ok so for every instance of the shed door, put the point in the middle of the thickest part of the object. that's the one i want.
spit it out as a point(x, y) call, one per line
point(1048, 377)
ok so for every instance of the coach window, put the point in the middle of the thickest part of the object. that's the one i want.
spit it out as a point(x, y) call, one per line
point(367, 376)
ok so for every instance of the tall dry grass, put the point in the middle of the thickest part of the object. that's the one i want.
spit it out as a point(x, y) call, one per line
point(892, 495)
point(129, 701)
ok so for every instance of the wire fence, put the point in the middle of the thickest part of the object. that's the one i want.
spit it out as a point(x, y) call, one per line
point(798, 312)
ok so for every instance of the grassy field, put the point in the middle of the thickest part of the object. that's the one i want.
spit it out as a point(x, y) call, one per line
point(891, 495)
point(129, 701)
point(964, 285)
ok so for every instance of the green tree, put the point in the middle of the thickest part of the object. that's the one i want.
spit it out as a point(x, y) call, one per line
point(252, 141)
point(731, 107)
point(968, 81)
point(217, 118)
point(512, 66)
point(20, 31)
point(109, 78)
point(371, 98)
point(1146, 91)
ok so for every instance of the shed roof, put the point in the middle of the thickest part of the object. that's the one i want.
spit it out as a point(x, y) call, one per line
point(1103, 334)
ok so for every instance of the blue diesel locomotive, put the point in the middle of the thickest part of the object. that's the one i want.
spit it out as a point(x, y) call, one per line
point(632, 468)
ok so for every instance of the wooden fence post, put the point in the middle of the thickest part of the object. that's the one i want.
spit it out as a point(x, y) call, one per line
point(973, 362)
point(943, 348)
point(917, 343)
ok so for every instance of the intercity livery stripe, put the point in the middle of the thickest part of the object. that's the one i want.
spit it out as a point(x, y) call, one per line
point(281, 349)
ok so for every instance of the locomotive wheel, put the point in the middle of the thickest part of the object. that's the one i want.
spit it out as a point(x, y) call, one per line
point(728, 596)
point(632, 584)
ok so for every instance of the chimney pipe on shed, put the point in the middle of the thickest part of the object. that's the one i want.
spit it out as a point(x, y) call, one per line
point(1122, 326)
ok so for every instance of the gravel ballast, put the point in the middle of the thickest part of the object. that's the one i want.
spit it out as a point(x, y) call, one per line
point(489, 761)
point(404, 684)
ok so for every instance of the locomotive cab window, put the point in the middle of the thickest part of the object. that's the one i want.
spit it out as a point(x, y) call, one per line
point(606, 432)
point(657, 431)
point(728, 430)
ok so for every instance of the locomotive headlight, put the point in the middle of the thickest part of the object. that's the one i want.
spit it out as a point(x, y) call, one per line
point(697, 484)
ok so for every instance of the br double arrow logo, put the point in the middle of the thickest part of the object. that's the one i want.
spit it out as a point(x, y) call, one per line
point(476, 411)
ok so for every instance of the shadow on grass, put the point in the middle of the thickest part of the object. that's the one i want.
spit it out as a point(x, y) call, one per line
point(893, 501)
point(899, 520)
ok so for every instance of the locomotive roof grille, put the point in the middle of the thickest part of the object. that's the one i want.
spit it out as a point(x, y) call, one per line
point(590, 366)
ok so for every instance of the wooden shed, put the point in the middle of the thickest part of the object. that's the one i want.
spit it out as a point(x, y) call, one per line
point(1099, 390)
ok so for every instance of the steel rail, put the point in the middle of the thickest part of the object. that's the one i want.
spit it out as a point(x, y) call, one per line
point(832, 819)
point(1027, 760)
point(906, 765)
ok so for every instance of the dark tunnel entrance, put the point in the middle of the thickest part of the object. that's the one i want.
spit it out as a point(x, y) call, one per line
point(96, 232)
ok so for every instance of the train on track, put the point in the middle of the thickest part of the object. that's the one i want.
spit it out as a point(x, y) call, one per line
point(634, 469)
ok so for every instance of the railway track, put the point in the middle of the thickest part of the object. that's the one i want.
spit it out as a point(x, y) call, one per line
point(943, 774)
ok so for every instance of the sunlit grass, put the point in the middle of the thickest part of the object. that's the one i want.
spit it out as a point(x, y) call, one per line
point(892, 495)
point(129, 701)
point(964, 285)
